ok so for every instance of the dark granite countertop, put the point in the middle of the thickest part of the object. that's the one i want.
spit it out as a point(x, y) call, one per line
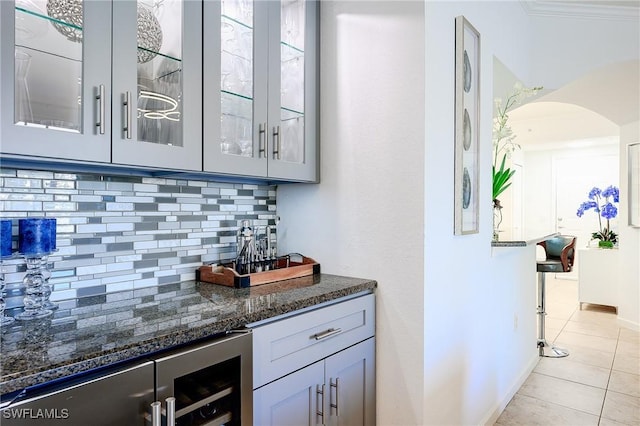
point(523, 243)
point(101, 330)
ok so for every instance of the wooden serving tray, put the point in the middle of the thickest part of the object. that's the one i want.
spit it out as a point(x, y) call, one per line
point(227, 276)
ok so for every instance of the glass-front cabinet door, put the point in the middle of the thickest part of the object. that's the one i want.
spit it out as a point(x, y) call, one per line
point(102, 81)
point(157, 73)
point(261, 86)
point(235, 86)
point(55, 85)
point(293, 89)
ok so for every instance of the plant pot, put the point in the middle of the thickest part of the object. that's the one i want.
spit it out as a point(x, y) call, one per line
point(605, 244)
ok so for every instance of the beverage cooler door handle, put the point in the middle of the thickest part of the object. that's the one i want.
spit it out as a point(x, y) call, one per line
point(171, 411)
point(156, 413)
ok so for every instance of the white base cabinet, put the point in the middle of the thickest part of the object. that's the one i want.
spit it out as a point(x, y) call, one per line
point(334, 385)
point(598, 276)
point(350, 386)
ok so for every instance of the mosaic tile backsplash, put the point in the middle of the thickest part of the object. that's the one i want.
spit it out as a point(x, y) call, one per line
point(125, 232)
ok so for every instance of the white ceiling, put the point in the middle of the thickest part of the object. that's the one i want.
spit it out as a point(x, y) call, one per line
point(592, 107)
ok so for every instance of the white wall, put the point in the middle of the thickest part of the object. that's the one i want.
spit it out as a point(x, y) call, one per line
point(629, 286)
point(447, 349)
point(541, 185)
point(366, 218)
point(456, 319)
point(475, 356)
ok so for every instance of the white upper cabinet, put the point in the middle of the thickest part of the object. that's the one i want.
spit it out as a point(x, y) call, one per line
point(157, 83)
point(227, 87)
point(57, 61)
point(55, 86)
point(260, 88)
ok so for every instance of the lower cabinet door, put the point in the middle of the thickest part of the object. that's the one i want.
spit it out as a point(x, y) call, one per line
point(338, 390)
point(351, 388)
point(294, 400)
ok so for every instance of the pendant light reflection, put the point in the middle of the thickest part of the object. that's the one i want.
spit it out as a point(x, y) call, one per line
point(168, 113)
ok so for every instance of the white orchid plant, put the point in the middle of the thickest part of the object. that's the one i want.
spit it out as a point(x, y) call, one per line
point(503, 137)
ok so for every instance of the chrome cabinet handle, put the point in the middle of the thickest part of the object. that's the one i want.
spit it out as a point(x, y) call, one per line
point(156, 413)
point(262, 130)
point(326, 333)
point(334, 385)
point(127, 114)
point(276, 143)
point(100, 99)
point(320, 407)
point(171, 411)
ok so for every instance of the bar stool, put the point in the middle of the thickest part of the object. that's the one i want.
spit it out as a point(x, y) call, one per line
point(560, 253)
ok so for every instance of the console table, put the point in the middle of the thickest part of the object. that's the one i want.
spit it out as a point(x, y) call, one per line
point(598, 276)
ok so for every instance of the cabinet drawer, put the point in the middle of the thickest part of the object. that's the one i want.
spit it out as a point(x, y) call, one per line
point(286, 345)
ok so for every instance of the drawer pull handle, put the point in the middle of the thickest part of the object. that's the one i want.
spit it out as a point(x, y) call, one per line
point(327, 333)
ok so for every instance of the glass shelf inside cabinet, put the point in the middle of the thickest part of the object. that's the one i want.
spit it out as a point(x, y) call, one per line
point(236, 125)
point(240, 12)
point(292, 138)
point(232, 20)
point(31, 22)
point(290, 51)
point(236, 58)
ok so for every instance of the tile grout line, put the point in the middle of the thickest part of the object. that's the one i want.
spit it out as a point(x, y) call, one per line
point(606, 391)
point(575, 310)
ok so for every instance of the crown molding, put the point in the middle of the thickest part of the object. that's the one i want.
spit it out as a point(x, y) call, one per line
point(627, 10)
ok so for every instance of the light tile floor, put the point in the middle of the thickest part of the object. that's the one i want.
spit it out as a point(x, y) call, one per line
point(597, 384)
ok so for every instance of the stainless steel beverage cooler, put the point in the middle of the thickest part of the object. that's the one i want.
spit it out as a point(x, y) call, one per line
point(205, 384)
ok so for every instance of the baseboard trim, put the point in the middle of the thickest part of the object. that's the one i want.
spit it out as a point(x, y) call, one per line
point(628, 324)
point(495, 412)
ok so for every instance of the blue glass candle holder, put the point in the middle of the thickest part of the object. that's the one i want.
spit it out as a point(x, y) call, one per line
point(47, 267)
point(34, 236)
point(34, 243)
point(5, 237)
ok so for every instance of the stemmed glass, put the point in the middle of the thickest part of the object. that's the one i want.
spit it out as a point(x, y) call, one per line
point(34, 293)
point(47, 288)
